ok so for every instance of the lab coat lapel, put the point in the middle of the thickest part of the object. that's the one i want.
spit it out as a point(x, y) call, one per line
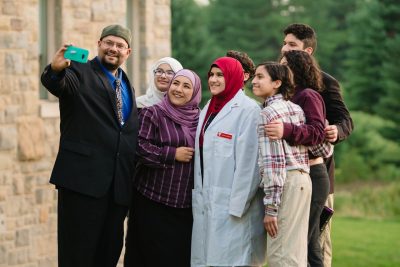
point(234, 103)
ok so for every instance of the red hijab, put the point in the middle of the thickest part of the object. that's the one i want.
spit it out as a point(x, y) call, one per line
point(233, 75)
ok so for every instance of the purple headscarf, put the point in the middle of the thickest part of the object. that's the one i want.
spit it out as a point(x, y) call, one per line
point(187, 115)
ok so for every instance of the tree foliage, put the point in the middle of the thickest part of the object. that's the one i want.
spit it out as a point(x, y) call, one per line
point(389, 102)
point(364, 56)
point(192, 44)
point(254, 27)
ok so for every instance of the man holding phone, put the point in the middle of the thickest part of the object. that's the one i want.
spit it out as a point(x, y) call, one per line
point(94, 168)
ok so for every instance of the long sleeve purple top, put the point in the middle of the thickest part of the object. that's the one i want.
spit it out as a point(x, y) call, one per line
point(159, 176)
point(311, 133)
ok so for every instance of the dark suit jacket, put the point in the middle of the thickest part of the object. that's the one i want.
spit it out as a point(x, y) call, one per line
point(94, 149)
point(336, 113)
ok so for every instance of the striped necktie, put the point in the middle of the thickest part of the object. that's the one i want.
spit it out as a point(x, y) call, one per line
point(119, 101)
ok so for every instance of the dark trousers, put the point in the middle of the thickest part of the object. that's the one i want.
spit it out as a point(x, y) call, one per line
point(320, 191)
point(158, 235)
point(90, 230)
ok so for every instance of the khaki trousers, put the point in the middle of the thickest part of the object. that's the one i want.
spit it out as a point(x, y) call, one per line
point(289, 248)
point(325, 239)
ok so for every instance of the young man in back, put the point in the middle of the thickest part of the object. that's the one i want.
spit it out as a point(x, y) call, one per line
point(303, 37)
point(247, 63)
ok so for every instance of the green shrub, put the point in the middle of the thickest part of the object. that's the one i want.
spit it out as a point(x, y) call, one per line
point(368, 154)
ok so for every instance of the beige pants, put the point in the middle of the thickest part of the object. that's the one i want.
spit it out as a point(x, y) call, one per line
point(325, 240)
point(289, 248)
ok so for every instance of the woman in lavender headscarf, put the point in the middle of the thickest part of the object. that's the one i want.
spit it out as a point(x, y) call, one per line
point(160, 222)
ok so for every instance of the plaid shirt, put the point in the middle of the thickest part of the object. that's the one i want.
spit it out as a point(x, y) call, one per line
point(324, 150)
point(276, 157)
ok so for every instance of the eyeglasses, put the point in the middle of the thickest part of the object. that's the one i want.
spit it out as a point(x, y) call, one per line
point(110, 44)
point(160, 72)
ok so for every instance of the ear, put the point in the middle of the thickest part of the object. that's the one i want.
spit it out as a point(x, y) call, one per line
point(309, 50)
point(277, 84)
point(246, 76)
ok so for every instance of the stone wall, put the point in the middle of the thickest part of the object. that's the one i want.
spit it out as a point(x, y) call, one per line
point(29, 126)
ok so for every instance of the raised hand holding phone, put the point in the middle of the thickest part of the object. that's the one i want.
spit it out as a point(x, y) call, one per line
point(58, 63)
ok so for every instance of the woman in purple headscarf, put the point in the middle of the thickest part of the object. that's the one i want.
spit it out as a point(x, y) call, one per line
point(160, 220)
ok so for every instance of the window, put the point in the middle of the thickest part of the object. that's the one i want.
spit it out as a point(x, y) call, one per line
point(49, 36)
point(133, 22)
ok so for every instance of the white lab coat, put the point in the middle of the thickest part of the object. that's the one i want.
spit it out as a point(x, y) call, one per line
point(227, 203)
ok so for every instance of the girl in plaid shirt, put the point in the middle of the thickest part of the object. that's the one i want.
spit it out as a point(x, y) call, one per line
point(284, 169)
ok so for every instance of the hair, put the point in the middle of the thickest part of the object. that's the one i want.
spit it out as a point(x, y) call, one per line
point(244, 59)
point(306, 71)
point(304, 33)
point(282, 73)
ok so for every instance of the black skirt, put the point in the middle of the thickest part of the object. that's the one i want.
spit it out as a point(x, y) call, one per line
point(158, 235)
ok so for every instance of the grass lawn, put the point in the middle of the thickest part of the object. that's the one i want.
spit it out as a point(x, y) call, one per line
point(365, 242)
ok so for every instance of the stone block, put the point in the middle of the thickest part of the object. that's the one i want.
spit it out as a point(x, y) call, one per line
point(82, 14)
point(22, 238)
point(4, 23)
point(11, 113)
point(31, 220)
point(29, 167)
point(28, 83)
point(15, 63)
point(6, 41)
point(19, 256)
point(29, 184)
point(3, 254)
point(6, 177)
point(42, 196)
point(29, 102)
point(6, 162)
point(9, 8)
point(16, 206)
point(162, 16)
point(2, 116)
point(2, 225)
point(79, 4)
point(43, 215)
point(47, 263)
point(17, 24)
point(18, 185)
point(6, 84)
point(3, 194)
point(30, 139)
point(8, 137)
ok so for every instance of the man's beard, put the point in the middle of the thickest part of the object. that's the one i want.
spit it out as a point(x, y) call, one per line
point(108, 65)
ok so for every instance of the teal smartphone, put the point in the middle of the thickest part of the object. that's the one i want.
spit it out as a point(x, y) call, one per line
point(76, 54)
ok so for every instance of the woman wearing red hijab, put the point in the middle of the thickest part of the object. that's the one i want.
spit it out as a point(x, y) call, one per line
point(227, 201)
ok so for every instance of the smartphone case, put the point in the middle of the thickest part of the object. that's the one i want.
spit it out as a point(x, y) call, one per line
point(326, 215)
point(76, 54)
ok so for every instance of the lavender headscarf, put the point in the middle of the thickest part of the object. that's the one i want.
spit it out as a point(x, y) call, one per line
point(187, 115)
